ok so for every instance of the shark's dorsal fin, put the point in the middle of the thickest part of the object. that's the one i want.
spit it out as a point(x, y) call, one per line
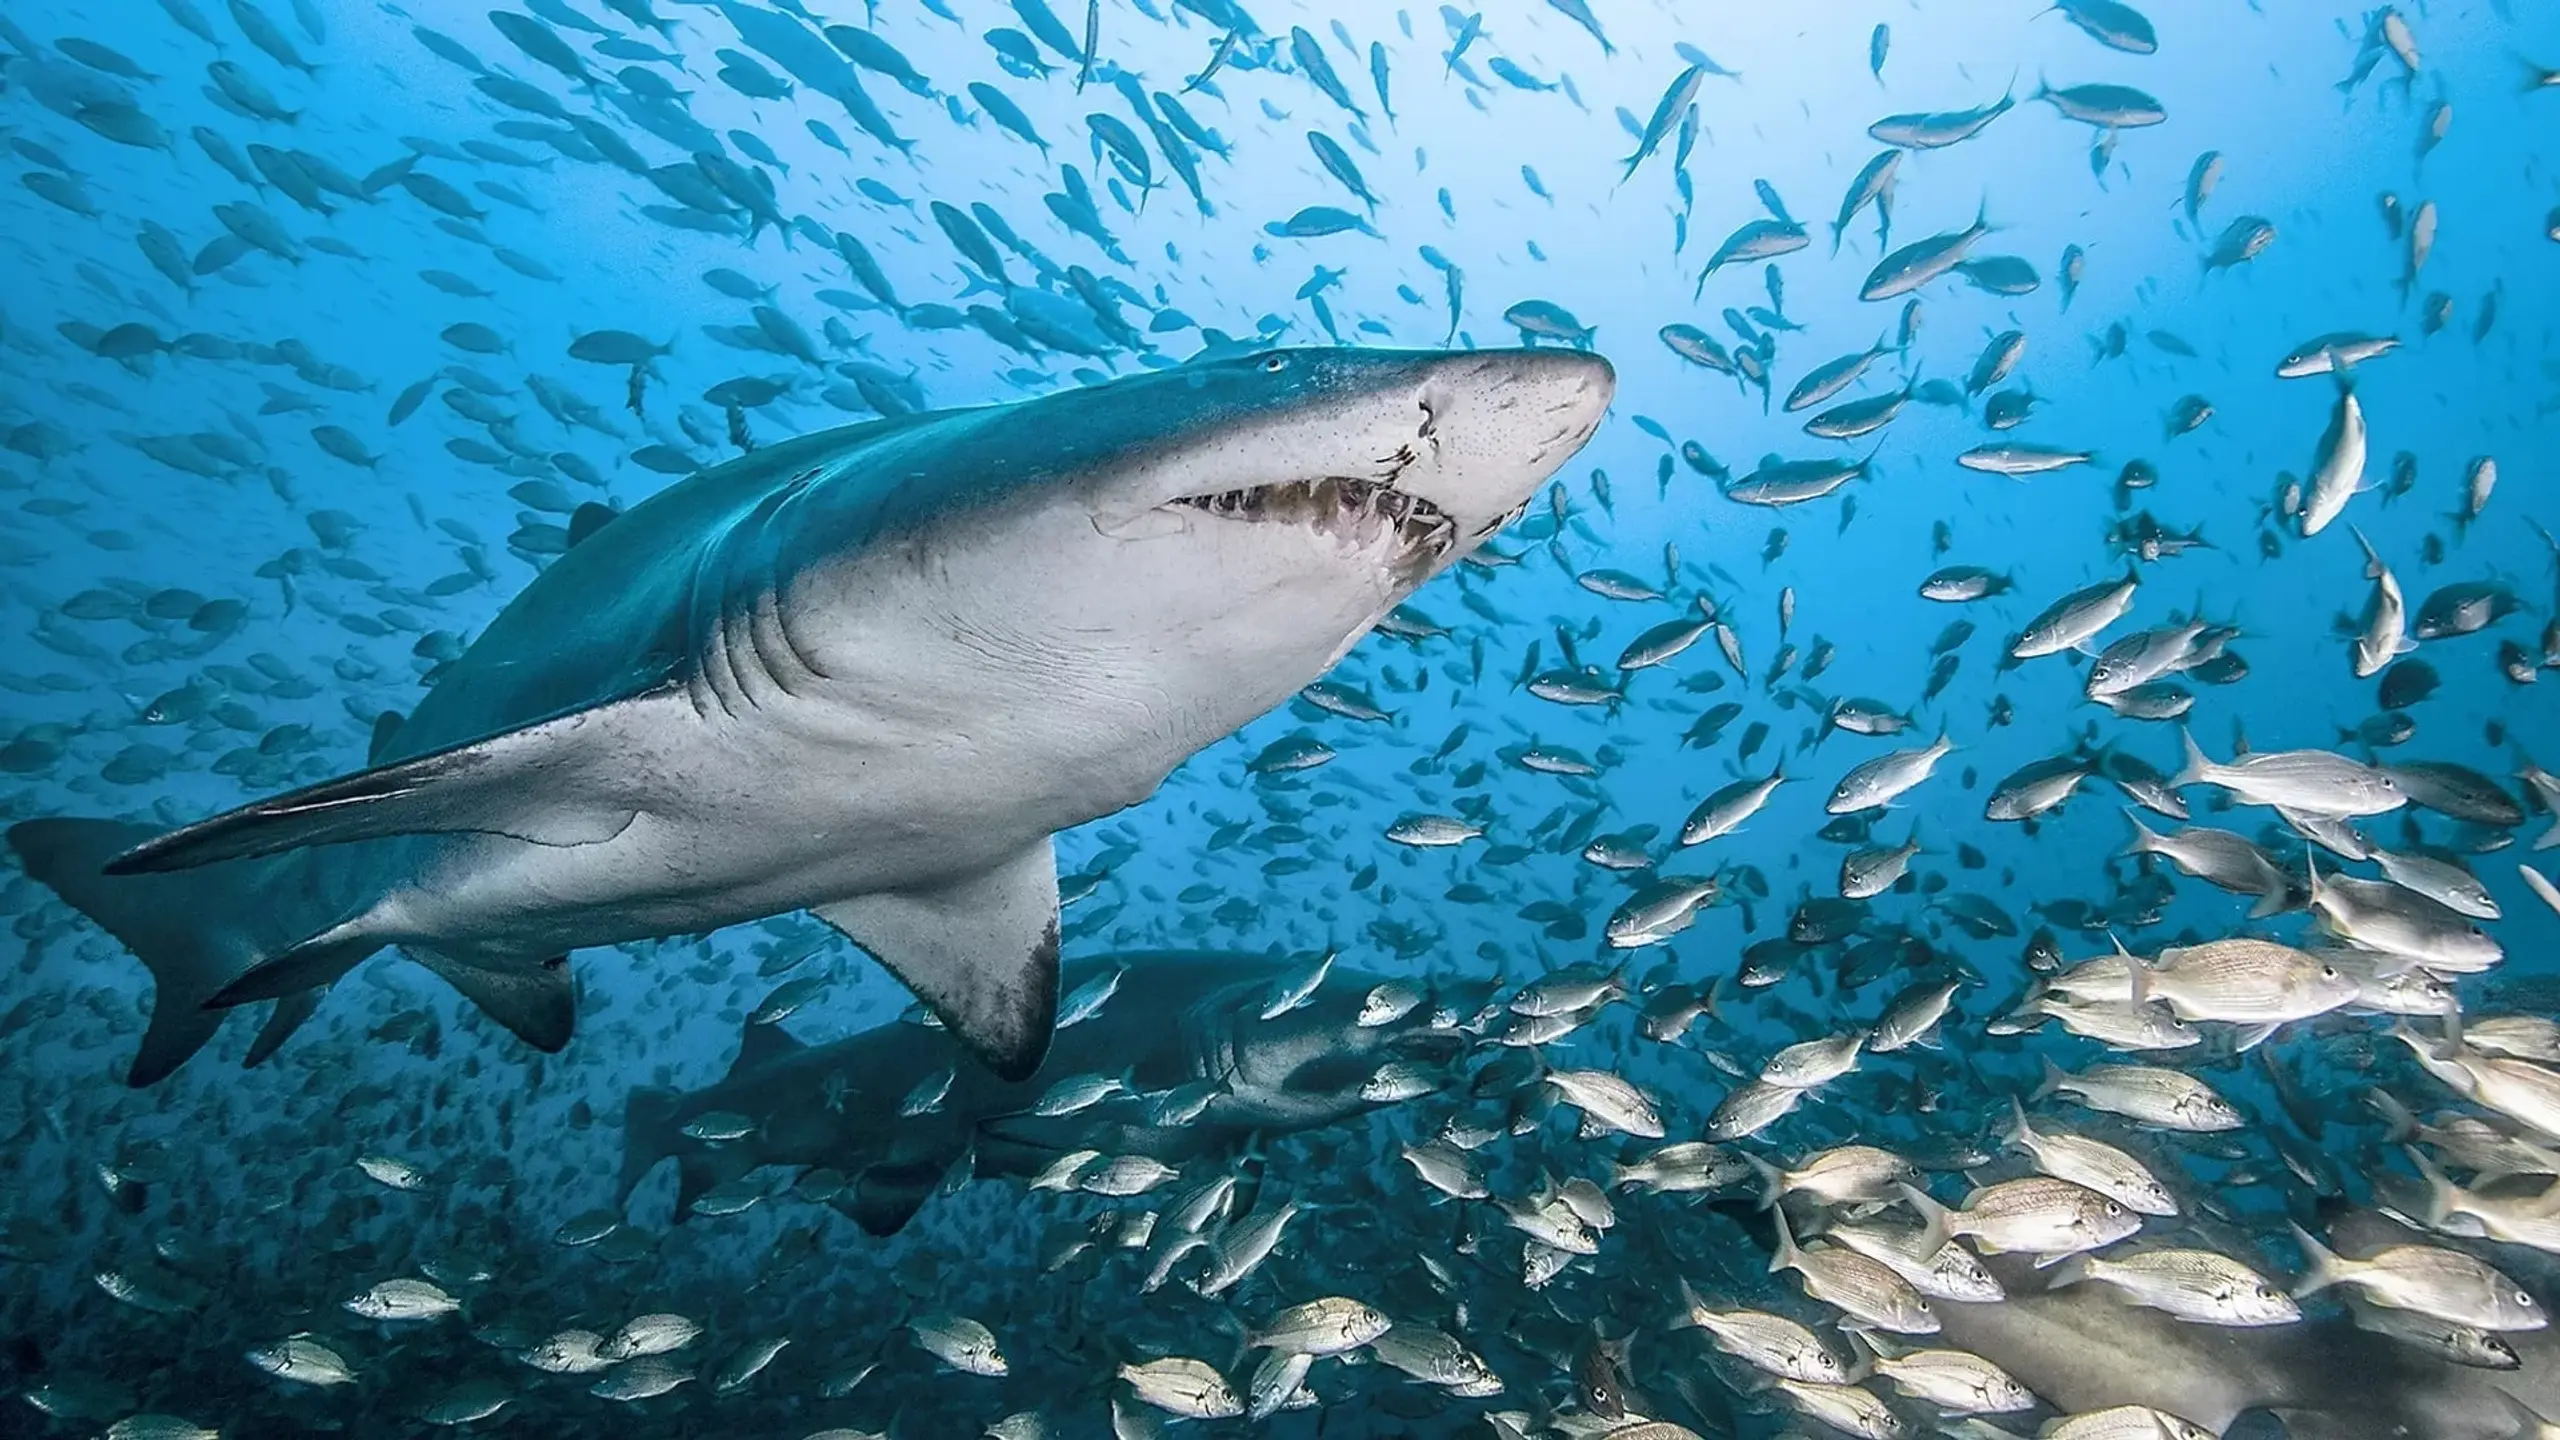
point(763, 1043)
point(386, 729)
point(589, 518)
point(981, 953)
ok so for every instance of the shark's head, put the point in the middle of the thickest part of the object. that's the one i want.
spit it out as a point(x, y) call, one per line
point(1308, 1065)
point(1156, 560)
point(1393, 462)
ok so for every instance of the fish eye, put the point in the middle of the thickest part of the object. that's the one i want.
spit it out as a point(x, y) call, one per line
point(1274, 364)
point(2114, 1209)
point(2524, 1299)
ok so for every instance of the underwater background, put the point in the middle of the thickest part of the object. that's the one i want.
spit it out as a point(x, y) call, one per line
point(318, 325)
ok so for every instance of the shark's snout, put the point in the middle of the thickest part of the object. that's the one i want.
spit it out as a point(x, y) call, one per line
point(1574, 386)
point(1492, 425)
point(1408, 457)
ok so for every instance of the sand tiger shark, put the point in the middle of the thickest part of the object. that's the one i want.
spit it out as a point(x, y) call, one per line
point(867, 673)
point(1176, 1018)
point(2085, 1347)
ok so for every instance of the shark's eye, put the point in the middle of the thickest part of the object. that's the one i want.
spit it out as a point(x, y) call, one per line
point(1274, 364)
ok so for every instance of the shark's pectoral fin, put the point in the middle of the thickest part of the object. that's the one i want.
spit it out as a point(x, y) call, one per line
point(567, 780)
point(537, 1003)
point(981, 953)
point(885, 1197)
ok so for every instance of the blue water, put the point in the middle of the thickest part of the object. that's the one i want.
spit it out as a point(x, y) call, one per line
point(333, 562)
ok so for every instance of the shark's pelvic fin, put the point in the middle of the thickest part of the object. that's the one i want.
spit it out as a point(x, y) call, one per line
point(537, 1003)
point(981, 953)
point(553, 782)
point(314, 963)
point(885, 1197)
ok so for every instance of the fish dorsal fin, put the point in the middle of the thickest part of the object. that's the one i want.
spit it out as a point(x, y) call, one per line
point(589, 518)
point(762, 1044)
point(981, 952)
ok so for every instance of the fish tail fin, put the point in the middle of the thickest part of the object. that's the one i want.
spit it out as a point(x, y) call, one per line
point(2070, 1270)
point(2441, 1196)
point(1933, 1217)
point(2321, 1266)
point(2019, 1132)
point(2145, 840)
point(194, 930)
point(2051, 1083)
point(1772, 1184)
point(2373, 566)
point(1692, 1305)
point(2198, 769)
point(2399, 1123)
point(2140, 983)
point(1786, 1256)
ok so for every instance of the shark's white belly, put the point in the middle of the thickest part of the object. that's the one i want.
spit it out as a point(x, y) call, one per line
point(757, 815)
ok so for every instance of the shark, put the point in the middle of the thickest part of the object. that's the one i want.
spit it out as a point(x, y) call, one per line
point(2085, 1348)
point(867, 673)
point(1174, 1019)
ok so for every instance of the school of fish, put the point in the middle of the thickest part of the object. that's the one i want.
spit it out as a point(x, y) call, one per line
point(1899, 936)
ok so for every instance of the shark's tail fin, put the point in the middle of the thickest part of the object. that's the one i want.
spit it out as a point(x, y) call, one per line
point(195, 929)
point(649, 1134)
point(653, 1121)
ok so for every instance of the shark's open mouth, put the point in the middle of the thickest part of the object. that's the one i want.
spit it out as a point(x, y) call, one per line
point(1360, 511)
